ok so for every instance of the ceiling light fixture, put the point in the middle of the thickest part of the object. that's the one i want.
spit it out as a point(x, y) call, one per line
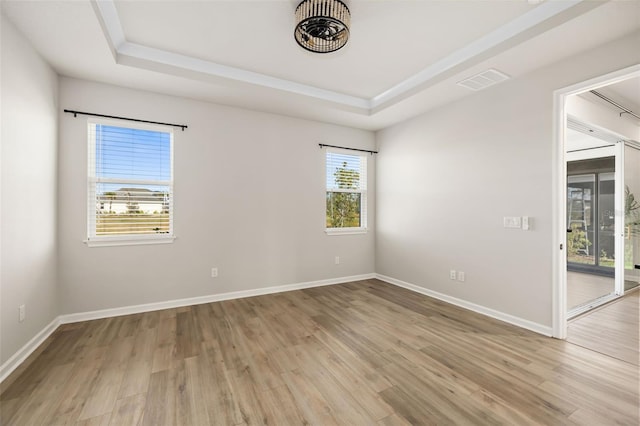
point(322, 26)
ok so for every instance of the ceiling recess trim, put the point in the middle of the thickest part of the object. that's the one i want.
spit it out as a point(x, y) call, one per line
point(498, 36)
point(140, 56)
point(136, 55)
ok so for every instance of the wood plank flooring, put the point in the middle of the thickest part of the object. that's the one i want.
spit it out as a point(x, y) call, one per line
point(613, 329)
point(362, 353)
point(583, 288)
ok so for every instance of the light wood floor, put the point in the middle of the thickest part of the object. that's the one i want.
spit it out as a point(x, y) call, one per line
point(583, 288)
point(362, 353)
point(613, 329)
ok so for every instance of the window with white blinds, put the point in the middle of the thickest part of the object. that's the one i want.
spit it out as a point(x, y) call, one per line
point(130, 190)
point(346, 182)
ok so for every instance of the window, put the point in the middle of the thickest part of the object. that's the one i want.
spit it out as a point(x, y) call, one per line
point(346, 181)
point(130, 190)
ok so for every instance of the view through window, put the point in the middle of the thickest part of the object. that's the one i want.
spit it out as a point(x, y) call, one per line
point(130, 194)
point(346, 177)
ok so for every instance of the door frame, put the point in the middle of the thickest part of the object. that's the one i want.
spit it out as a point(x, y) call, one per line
point(559, 191)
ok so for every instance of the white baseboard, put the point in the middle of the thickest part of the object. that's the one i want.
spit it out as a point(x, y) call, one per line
point(23, 353)
point(148, 307)
point(18, 358)
point(517, 321)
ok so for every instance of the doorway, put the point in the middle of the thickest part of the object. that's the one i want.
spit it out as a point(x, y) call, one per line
point(595, 263)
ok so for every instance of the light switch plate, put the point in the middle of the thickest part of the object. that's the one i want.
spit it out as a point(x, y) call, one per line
point(512, 222)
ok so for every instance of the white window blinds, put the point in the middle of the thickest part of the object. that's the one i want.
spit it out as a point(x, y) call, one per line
point(346, 182)
point(130, 190)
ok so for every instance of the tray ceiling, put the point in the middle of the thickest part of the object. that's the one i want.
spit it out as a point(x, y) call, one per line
point(403, 57)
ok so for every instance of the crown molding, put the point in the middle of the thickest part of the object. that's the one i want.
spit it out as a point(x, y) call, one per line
point(160, 60)
point(477, 48)
point(144, 57)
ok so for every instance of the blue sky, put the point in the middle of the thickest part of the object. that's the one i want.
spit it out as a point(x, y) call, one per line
point(132, 154)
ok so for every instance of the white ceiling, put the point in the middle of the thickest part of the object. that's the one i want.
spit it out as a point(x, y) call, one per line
point(578, 141)
point(625, 93)
point(403, 57)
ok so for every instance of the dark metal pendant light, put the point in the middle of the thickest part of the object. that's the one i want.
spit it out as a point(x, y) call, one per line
point(322, 26)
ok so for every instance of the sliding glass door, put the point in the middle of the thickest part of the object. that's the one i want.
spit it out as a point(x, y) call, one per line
point(591, 218)
point(581, 202)
point(603, 225)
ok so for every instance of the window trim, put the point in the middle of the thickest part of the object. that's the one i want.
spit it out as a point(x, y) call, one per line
point(93, 240)
point(346, 231)
point(129, 241)
point(363, 191)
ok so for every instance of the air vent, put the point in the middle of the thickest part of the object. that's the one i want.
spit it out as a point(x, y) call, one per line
point(483, 80)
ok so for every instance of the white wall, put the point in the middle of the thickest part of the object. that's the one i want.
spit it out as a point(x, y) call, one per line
point(249, 199)
point(28, 198)
point(447, 178)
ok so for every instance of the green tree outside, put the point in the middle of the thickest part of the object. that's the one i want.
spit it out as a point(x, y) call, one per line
point(343, 208)
point(110, 196)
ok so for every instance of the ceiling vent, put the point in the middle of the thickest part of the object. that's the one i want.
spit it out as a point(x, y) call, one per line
point(483, 80)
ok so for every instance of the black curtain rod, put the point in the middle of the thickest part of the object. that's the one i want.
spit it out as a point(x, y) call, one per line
point(350, 149)
point(75, 114)
point(615, 104)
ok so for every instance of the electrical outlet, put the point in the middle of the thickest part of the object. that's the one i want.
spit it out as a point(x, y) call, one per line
point(460, 276)
point(22, 313)
point(452, 274)
point(214, 272)
point(337, 260)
